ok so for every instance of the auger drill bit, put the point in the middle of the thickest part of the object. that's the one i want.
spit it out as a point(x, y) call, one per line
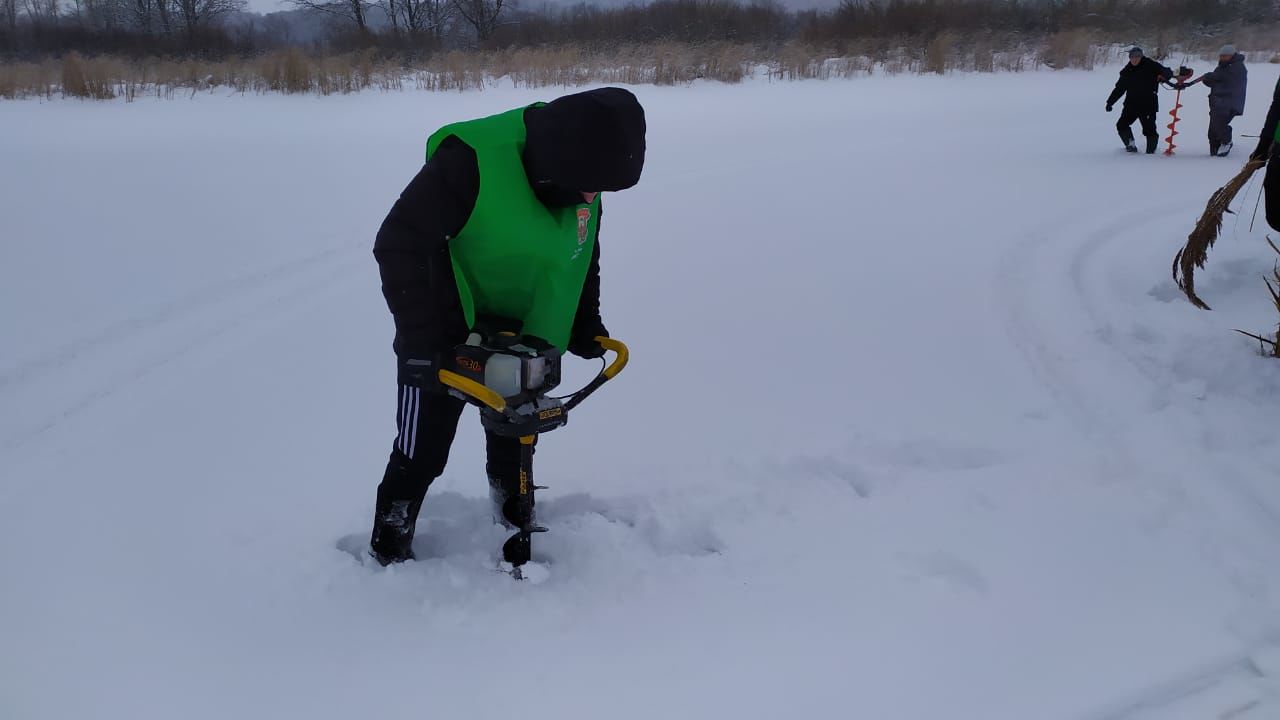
point(518, 512)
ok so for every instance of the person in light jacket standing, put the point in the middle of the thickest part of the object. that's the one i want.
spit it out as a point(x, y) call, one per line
point(1227, 85)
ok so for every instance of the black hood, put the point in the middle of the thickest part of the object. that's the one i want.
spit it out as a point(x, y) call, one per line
point(587, 142)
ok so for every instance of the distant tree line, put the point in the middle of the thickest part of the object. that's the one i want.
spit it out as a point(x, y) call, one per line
point(927, 18)
point(217, 28)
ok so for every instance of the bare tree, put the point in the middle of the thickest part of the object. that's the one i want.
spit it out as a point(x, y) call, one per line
point(164, 8)
point(439, 16)
point(98, 14)
point(481, 14)
point(196, 15)
point(9, 13)
point(41, 11)
point(276, 31)
point(354, 10)
point(144, 14)
point(421, 17)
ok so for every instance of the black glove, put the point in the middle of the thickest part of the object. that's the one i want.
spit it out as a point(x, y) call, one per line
point(1108, 107)
point(1263, 152)
point(420, 371)
point(587, 347)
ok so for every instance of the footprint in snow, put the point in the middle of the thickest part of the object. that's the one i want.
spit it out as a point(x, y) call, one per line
point(948, 569)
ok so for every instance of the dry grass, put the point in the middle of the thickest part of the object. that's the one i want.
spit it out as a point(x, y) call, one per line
point(35, 80)
point(940, 55)
point(94, 80)
point(295, 71)
point(1196, 251)
point(984, 55)
point(1077, 48)
point(1243, 36)
point(1270, 346)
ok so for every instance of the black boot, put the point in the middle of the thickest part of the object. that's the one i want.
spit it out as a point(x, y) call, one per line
point(1152, 142)
point(400, 495)
point(392, 539)
point(1126, 137)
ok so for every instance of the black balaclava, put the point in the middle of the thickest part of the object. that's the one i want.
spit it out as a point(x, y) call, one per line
point(586, 142)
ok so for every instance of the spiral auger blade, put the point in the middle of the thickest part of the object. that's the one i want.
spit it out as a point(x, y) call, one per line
point(518, 513)
point(518, 549)
point(1173, 125)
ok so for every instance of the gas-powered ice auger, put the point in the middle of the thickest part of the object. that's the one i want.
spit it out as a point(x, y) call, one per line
point(508, 378)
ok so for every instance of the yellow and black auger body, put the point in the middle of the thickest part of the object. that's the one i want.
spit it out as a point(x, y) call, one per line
point(508, 378)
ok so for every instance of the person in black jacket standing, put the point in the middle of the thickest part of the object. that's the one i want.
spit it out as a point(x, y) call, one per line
point(1266, 152)
point(1139, 85)
point(499, 186)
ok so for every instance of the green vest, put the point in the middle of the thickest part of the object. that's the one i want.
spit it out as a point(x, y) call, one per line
point(516, 258)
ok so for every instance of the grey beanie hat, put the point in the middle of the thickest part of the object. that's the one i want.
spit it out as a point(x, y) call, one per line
point(1135, 50)
point(1228, 50)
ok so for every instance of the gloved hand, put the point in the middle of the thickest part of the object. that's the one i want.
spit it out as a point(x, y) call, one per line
point(1109, 108)
point(421, 370)
point(1262, 153)
point(587, 347)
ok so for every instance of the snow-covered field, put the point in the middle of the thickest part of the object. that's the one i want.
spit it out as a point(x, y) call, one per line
point(917, 426)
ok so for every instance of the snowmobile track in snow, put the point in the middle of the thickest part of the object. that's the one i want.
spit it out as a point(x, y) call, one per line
point(121, 331)
point(133, 349)
point(1055, 343)
point(1240, 686)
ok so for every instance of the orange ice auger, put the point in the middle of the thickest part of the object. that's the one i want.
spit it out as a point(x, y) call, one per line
point(1173, 126)
point(1183, 73)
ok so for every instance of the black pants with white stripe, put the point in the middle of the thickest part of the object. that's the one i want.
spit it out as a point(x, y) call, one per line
point(427, 423)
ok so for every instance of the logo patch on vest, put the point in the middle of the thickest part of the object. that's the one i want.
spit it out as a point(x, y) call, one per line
point(584, 219)
point(584, 222)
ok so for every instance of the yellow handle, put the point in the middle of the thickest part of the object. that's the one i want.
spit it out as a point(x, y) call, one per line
point(620, 349)
point(473, 389)
point(486, 396)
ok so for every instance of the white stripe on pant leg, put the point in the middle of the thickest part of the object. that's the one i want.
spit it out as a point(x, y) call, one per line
point(413, 432)
point(401, 405)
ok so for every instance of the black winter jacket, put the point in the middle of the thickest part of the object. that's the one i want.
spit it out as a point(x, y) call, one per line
point(1140, 86)
point(594, 138)
point(1269, 129)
